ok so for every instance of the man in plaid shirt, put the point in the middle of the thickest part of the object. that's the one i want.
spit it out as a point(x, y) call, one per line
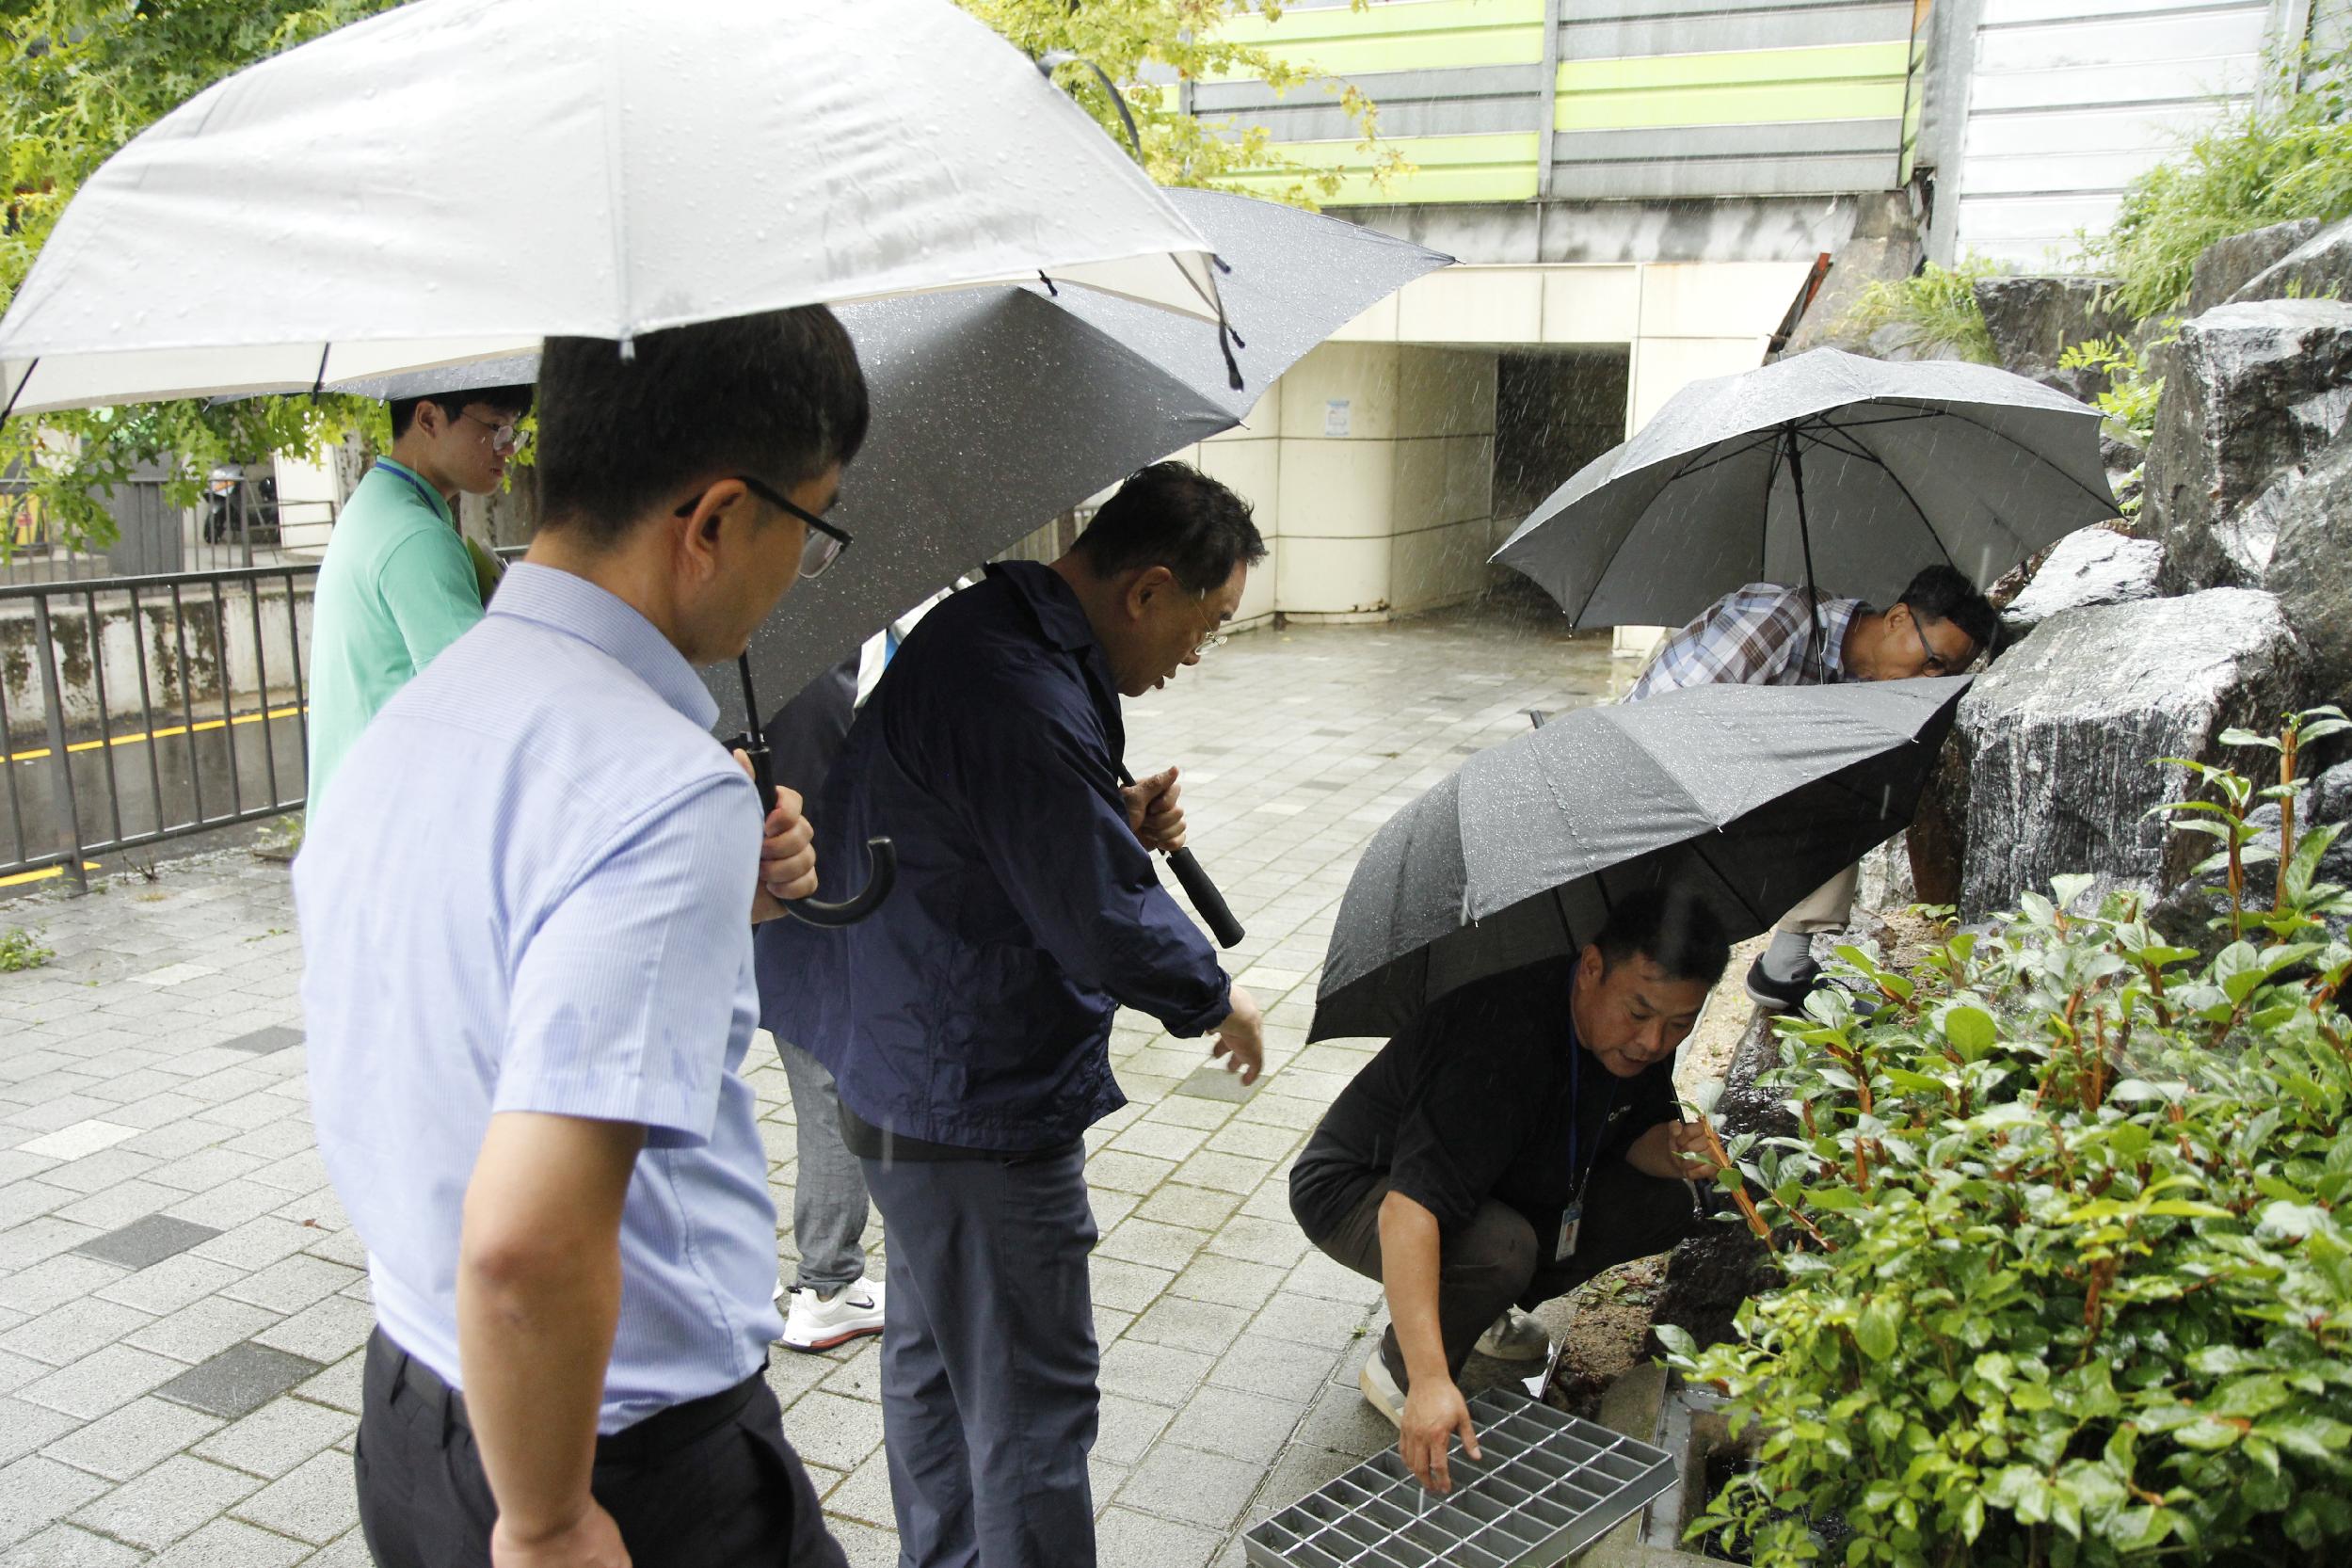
point(1763, 635)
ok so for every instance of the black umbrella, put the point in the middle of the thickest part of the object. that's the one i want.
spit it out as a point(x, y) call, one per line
point(1845, 473)
point(1750, 796)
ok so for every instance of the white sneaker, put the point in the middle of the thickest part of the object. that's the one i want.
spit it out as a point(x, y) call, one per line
point(1380, 1389)
point(815, 1322)
point(1515, 1337)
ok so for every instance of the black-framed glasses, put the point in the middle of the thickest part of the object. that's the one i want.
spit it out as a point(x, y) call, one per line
point(825, 543)
point(1937, 664)
point(508, 438)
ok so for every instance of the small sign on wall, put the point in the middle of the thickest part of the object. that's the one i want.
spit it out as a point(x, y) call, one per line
point(1335, 416)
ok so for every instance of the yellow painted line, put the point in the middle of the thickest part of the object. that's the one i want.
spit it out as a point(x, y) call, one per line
point(146, 735)
point(44, 874)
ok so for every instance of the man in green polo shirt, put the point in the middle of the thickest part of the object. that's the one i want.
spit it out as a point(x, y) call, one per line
point(400, 583)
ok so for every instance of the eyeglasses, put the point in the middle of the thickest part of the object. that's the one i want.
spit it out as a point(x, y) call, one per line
point(1937, 664)
point(506, 438)
point(825, 543)
point(1214, 639)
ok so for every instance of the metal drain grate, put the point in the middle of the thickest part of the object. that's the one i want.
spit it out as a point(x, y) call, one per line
point(1547, 1485)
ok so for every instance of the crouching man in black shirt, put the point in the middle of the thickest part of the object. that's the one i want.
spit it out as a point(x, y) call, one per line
point(1519, 1138)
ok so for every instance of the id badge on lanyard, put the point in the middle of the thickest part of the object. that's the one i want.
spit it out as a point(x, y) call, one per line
point(1572, 1217)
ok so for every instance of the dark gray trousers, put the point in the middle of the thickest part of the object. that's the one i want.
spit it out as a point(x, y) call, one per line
point(988, 1359)
point(708, 1484)
point(1497, 1260)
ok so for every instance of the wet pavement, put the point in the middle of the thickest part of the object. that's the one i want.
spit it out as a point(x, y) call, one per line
point(181, 1302)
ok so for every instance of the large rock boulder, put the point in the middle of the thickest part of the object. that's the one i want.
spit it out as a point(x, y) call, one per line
point(2091, 566)
point(2034, 321)
point(2311, 570)
point(2319, 269)
point(2057, 741)
point(2227, 266)
point(2253, 392)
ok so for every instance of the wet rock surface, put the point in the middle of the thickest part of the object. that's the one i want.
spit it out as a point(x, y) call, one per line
point(2091, 566)
point(2058, 741)
point(2311, 571)
point(2318, 268)
point(2253, 392)
point(2226, 267)
point(2033, 321)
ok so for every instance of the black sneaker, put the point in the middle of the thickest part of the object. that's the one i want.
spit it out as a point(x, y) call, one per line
point(1782, 995)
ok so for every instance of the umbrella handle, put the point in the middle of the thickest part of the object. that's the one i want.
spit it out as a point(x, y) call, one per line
point(881, 855)
point(1206, 898)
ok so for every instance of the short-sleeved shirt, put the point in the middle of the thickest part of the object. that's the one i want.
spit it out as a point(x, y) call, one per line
point(530, 891)
point(396, 587)
point(1487, 1095)
point(1759, 635)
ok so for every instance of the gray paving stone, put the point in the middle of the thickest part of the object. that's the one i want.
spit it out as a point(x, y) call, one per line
point(25, 1428)
point(229, 1204)
point(1140, 1240)
point(1160, 1374)
point(1215, 1083)
point(71, 1546)
point(1227, 1281)
point(278, 1436)
point(1281, 1370)
point(347, 1550)
point(227, 1543)
point(18, 1370)
point(172, 1283)
point(317, 1501)
point(99, 1381)
point(38, 1240)
point(1128, 1287)
point(238, 1380)
point(1122, 1171)
point(1123, 1535)
point(1205, 1489)
point(206, 1169)
point(292, 1283)
point(21, 1201)
point(64, 1334)
point(123, 1204)
point(831, 1431)
point(323, 1332)
point(1252, 1427)
point(340, 1385)
point(1191, 1325)
point(1200, 1208)
point(175, 1499)
point(258, 1243)
point(36, 1491)
point(124, 1442)
point(263, 1042)
point(202, 1329)
point(55, 1280)
point(1126, 1429)
point(864, 1494)
point(1310, 1320)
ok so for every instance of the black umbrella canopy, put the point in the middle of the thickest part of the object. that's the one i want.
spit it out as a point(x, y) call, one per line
point(1750, 796)
point(1903, 466)
point(995, 412)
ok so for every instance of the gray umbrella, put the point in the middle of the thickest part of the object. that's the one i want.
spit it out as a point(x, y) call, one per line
point(995, 411)
point(1825, 468)
point(1748, 796)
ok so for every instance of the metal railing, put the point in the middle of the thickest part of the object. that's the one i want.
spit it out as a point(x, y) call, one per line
point(236, 523)
point(137, 709)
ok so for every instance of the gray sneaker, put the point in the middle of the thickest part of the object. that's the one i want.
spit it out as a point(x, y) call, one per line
point(1515, 1337)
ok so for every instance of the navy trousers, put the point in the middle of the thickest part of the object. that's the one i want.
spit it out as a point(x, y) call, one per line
point(988, 1359)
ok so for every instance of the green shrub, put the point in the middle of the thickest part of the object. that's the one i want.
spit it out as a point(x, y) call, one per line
point(21, 948)
point(1936, 308)
point(2067, 1276)
point(2285, 154)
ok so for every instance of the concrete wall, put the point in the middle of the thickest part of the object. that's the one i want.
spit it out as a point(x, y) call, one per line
point(122, 645)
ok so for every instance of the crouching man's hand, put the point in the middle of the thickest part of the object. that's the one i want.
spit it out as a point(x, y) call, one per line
point(1674, 1150)
point(1434, 1414)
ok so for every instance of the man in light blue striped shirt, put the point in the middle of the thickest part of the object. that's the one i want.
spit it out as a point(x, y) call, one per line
point(526, 916)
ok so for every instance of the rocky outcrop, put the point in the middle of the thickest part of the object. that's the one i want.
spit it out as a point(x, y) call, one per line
point(2253, 392)
point(2034, 321)
point(2058, 741)
point(2091, 566)
point(1886, 883)
point(2227, 266)
point(2311, 570)
point(2319, 269)
point(1883, 249)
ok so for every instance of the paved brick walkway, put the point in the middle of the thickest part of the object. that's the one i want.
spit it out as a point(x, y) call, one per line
point(181, 1304)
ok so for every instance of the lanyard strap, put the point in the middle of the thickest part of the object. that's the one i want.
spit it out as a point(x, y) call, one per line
point(432, 498)
point(1582, 1173)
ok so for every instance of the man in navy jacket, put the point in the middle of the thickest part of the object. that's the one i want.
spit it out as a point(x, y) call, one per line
point(969, 1022)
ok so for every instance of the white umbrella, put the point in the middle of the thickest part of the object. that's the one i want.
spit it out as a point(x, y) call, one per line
point(458, 179)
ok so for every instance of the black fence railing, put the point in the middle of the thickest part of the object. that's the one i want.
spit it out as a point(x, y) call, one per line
point(137, 709)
